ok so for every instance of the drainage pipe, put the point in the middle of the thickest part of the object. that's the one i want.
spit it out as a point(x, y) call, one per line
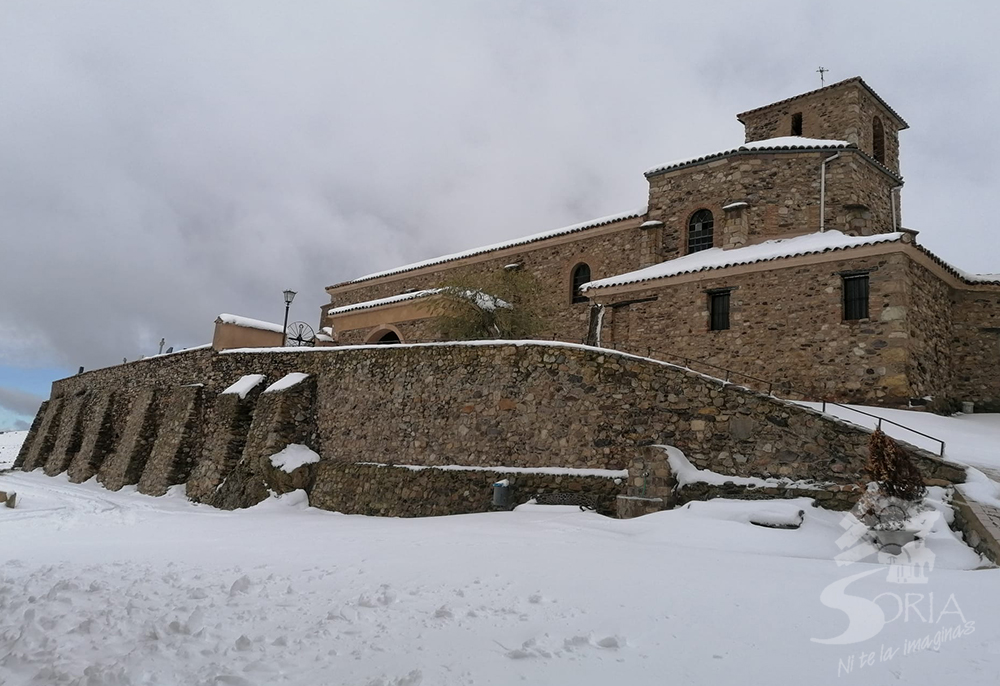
point(893, 194)
point(822, 191)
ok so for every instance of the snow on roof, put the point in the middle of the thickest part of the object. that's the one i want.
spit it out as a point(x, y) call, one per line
point(383, 301)
point(483, 301)
point(594, 223)
point(771, 144)
point(249, 323)
point(980, 278)
point(717, 258)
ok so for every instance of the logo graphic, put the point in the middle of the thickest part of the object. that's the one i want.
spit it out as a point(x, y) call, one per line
point(896, 540)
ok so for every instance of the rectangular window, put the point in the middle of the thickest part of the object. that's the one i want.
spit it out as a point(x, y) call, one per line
point(856, 297)
point(718, 310)
point(797, 124)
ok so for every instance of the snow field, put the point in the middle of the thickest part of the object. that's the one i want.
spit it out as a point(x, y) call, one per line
point(100, 588)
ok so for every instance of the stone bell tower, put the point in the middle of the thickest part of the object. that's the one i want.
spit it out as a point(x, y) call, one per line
point(848, 110)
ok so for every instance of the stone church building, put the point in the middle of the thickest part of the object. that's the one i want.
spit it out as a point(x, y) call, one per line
point(783, 260)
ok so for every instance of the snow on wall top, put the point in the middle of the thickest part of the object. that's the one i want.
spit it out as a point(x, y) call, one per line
point(594, 223)
point(717, 258)
point(383, 301)
point(287, 381)
point(249, 323)
point(244, 385)
point(770, 144)
point(293, 456)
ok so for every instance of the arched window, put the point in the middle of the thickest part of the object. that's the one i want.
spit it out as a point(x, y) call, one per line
point(581, 275)
point(389, 338)
point(878, 140)
point(700, 231)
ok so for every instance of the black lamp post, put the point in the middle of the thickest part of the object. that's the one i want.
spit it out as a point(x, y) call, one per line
point(289, 296)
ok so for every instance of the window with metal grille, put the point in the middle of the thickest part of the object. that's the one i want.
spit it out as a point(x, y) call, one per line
point(856, 297)
point(718, 310)
point(581, 275)
point(700, 231)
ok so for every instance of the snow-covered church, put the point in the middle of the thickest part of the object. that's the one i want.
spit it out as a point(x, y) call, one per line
point(782, 262)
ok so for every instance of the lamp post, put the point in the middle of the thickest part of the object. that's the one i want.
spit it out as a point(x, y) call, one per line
point(289, 296)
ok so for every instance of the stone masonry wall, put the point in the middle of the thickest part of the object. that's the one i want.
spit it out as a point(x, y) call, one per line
point(844, 112)
point(495, 405)
point(786, 326)
point(976, 348)
point(389, 491)
point(930, 335)
point(783, 193)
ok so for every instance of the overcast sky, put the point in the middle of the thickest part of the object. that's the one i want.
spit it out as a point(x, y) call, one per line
point(161, 163)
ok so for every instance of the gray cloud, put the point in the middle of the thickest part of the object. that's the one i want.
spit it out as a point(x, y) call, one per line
point(163, 164)
point(19, 402)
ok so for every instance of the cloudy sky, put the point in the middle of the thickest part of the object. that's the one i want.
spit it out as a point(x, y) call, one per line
point(161, 163)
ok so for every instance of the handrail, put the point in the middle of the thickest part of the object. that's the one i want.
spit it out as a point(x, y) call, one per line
point(888, 421)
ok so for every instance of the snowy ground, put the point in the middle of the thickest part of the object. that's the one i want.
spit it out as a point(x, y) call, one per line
point(10, 443)
point(101, 588)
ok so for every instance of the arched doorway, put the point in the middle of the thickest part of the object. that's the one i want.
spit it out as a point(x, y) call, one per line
point(384, 335)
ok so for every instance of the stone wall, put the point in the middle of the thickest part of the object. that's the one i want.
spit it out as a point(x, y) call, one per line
point(491, 406)
point(975, 348)
point(786, 327)
point(930, 336)
point(390, 491)
point(782, 190)
point(842, 112)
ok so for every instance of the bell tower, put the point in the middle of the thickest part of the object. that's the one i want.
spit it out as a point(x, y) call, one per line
point(848, 110)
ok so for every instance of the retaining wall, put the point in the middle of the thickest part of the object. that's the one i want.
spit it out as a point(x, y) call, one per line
point(162, 421)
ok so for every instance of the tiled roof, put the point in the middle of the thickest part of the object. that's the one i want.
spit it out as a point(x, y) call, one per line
point(594, 223)
point(857, 79)
point(789, 143)
point(368, 304)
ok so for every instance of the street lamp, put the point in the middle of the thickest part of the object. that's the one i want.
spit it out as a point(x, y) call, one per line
point(289, 296)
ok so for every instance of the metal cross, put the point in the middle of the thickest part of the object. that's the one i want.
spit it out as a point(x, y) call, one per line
point(822, 70)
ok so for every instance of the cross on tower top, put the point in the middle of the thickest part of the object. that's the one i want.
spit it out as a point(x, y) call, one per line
point(822, 70)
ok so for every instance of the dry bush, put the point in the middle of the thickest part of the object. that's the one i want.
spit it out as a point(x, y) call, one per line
point(892, 470)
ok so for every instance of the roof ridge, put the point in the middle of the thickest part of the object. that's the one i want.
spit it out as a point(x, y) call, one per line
point(758, 146)
point(513, 243)
point(858, 79)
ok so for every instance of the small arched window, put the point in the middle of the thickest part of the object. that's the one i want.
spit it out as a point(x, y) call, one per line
point(581, 275)
point(878, 140)
point(389, 338)
point(700, 231)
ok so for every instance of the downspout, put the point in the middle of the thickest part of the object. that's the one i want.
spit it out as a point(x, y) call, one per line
point(600, 325)
point(892, 201)
point(822, 191)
